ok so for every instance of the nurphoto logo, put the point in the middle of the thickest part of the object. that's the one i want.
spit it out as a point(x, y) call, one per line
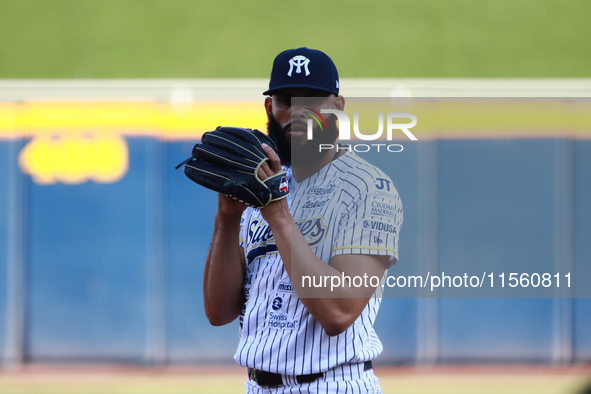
point(345, 129)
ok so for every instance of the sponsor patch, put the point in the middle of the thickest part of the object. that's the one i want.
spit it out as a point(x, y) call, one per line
point(382, 209)
point(375, 225)
point(322, 191)
point(383, 194)
point(280, 321)
point(277, 303)
point(312, 204)
point(284, 287)
point(383, 183)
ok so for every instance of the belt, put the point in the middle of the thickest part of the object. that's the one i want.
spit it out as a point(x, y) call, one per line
point(270, 379)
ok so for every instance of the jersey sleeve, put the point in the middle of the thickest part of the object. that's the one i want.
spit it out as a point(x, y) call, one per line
point(371, 224)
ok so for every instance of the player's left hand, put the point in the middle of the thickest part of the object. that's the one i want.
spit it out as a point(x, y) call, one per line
point(228, 161)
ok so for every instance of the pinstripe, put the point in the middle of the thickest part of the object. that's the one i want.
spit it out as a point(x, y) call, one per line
point(280, 347)
point(315, 331)
point(358, 386)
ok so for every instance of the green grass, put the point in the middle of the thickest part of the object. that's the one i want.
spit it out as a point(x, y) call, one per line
point(235, 38)
point(233, 382)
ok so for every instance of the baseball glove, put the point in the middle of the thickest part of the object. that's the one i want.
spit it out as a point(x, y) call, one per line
point(227, 161)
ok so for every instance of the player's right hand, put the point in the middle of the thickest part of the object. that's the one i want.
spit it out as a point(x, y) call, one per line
point(273, 166)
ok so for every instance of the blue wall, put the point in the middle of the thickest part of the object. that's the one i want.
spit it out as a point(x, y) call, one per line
point(5, 158)
point(113, 271)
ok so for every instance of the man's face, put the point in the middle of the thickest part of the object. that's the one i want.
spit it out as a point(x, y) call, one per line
point(287, 124)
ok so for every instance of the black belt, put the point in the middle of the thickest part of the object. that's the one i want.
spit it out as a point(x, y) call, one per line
point(269, 379)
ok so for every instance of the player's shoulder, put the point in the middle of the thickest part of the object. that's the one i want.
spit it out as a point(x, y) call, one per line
point(355, 167)
point(356, 164)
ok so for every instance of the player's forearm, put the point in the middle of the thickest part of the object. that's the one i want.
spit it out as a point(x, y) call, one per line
point(224, 273)
point(335, 311)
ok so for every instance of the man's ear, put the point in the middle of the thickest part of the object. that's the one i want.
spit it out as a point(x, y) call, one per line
point(269, 105)
point(339, 103)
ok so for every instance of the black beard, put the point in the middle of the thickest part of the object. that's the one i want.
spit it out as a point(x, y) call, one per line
point(307, 154)
point(277, 134)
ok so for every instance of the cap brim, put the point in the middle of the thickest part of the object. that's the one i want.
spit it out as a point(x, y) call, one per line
point(298, 85)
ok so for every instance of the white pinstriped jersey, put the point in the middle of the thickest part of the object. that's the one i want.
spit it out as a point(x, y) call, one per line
point(348, 207)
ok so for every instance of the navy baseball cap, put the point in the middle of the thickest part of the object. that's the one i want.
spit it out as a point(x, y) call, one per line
point(304, 68)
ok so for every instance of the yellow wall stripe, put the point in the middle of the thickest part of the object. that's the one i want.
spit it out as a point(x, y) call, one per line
point(445, 118)
point(153, 119)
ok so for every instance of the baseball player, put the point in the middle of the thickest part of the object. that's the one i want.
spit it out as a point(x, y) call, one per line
point(272, 267)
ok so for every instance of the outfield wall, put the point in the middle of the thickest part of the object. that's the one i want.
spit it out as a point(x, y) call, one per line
point(103, 242)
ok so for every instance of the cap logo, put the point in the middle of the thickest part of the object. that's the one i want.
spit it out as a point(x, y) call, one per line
point(298, 61)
